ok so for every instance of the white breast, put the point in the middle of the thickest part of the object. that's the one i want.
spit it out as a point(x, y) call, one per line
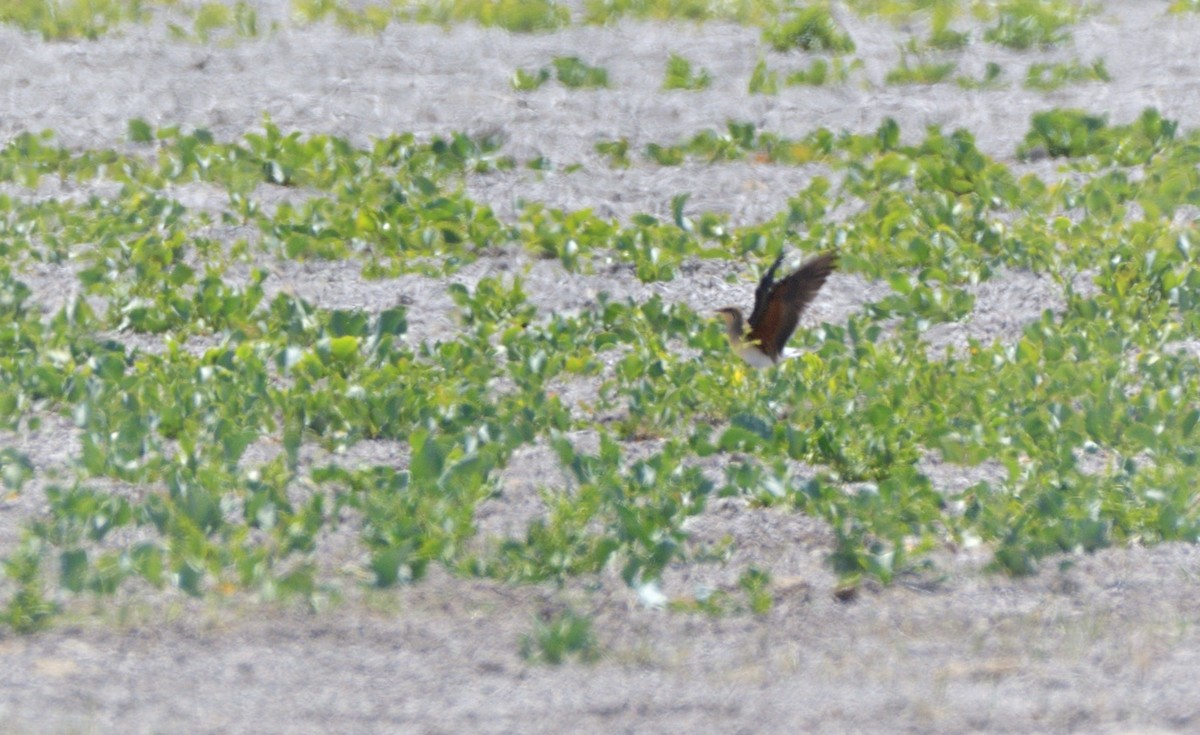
point(755, 357)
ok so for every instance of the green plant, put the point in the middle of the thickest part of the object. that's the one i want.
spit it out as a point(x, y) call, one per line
point(924, 72)
point(680, 75)
point(821, 72)
point(763, 80)
point(574, 73)
point(28, 609)
point(664, 155)
point(561, 636)
point(364, 19)
point(904, 10)
point(810, 28)
point(1047, 77)
point(15, 469)
point(518, 16)
point(941, 35)
point(757, 12)
point(990, 79)
point(1064, 133)
point(756, 583)
point(211, 19)
point(617, 152)
point(1076, 133)
point(66, 19)
point(527, 81)
point(1022, 24)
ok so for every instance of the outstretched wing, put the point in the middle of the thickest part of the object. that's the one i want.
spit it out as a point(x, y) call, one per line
point(763, 293)
point(786, 301)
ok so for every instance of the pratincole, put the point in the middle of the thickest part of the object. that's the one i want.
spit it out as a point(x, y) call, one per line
point(777, 309)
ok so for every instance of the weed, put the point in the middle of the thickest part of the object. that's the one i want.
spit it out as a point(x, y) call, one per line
point(947, 39)
point(763, 80)
point(756, 583)
point(810, 28)
point(27, 610)
point(574, 73)
point(562, 636)
point(59, 20)
point(680, 75)
point(821, 72)
point(924, 72)
point(527, 81)
point(1074, 133)
point(617, 152)
point(758, 12)
point(990, 79)
point(518, 16)
point(1046, 77)
point(1022, 24)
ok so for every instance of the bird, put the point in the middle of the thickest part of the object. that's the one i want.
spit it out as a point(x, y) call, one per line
point(777, 309)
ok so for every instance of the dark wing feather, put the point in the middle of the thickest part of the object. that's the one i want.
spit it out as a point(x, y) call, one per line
point(763, 292)
point(765, 335)
point(787, 301)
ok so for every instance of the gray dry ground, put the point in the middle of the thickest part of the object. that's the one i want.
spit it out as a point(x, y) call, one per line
point(1102, 643)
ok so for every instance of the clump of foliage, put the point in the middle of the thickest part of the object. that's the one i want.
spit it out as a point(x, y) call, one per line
point(1046, 77)
point(564, 635)
point(903, 10)
point(527, 81)
point(518, 16)
point(944, 38)
point(369, 18)
point(754, 12)
point(1023, 24)
point(571, 71)
point(821, 72)
point(763, 80)
point(923, 72)
point(214, 20)
point(1075, 133)
point(27, 609)
point(811, 28)
point(574, 73)
point(60, 20)
point(680, 75)
point(989, 80)
point(617, 152)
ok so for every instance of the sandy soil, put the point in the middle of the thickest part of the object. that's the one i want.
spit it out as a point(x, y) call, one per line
point(1107, 643)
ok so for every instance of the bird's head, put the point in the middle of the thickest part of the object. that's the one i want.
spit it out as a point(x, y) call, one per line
point(734, 321)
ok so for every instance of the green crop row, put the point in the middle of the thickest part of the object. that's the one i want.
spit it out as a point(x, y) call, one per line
point(786, 24)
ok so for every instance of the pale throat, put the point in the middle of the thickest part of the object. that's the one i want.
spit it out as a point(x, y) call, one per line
point(749, 351)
